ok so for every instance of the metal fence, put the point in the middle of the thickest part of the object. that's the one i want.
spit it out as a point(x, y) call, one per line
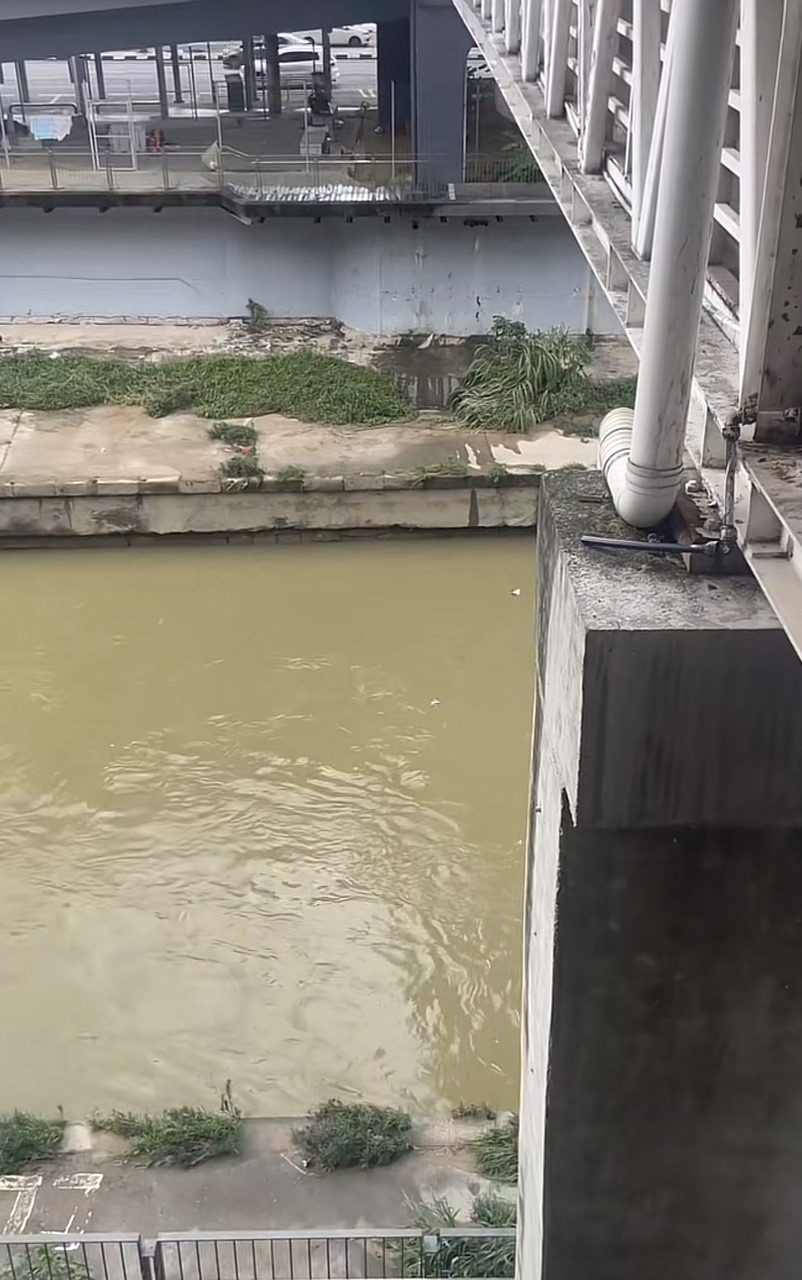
point(52, 1256)
point(258, 1255)
point(271, 178)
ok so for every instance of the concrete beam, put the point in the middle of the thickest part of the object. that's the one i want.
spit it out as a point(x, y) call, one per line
point(440, 44)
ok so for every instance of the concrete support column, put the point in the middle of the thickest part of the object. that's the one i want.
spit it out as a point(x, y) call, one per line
point(273, 75)
point(161, 80)
point(77, 67)
point(393, 68)
point(99, 76)
point(661, 1110)
point(22, 82)
point(176, 65)
point(249, 79)
point(440, 44)
point(325, 49)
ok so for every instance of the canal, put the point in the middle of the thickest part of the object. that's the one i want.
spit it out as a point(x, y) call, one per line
point(263, 814)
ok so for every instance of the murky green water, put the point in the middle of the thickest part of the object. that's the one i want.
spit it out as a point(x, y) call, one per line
point(262, 815)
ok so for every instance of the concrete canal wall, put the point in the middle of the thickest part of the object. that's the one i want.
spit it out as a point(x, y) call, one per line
point(385, 278)
point(326, 507)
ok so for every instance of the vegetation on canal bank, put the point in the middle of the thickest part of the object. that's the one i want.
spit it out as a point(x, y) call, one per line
point(343, 1135)
point(460, 1257)
point(519, 380)
point(300, 384)
point(418, 476)
point(47, 1262)
point(26, 1140)
point(497, 1153)
point(184, 1136)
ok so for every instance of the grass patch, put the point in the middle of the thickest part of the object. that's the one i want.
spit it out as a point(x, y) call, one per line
point(419, 475)
point(184, 1137)
point(291, 475)
point(520, 380)
point(237, 435)
point(47, 1262)
point(26, 1139)
point(465, 1257)
point(243, 466)
point(300, 384)
point(473, 1111)
point(497, 1153)
point(343, 1135)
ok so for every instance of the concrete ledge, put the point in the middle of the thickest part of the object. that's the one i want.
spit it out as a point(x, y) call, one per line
point(169, 506)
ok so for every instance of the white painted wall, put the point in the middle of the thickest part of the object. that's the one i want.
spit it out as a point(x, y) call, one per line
point(377, 277)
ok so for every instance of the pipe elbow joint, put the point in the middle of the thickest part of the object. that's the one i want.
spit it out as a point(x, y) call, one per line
point(642, 496)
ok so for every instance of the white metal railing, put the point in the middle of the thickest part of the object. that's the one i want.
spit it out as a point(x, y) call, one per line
point(554, 40)
point(203, 168)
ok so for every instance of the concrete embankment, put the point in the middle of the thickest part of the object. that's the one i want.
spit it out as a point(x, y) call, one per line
point(115, 472)
point(266, 1187)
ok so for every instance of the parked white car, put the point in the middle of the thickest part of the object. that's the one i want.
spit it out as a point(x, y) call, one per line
point(358, 36)
point(297, 64)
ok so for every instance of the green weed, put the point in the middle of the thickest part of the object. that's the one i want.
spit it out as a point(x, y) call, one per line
point(520, 379)
point(300, 384)
point(47, 1262)
point(460, 1257)
point(258, 317)
point(291, 476)
point(497, 1153)
point(343, 1135)
point(473, 1111)
point(185, 1136)
point(242, 466)
point(238, 435)
point(418, 476)
point(26, 1139)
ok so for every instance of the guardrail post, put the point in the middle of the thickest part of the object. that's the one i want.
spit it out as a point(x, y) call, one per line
point(151, 1261)
point(165, 172)
point(53, 170)
point(109, 172)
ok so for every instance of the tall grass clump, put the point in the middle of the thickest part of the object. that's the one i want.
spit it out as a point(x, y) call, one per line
point(26, 1139)
point(185, 1136)
point(497, 1153)
point(342, 1135)
point(300, 384)
point(465, 1256)
point(519, 380)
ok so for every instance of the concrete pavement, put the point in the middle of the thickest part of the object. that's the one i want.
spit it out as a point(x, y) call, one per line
point(123, 443)
point(264, 1188)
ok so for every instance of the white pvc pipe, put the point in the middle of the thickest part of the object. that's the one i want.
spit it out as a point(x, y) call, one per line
point(645, 482)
